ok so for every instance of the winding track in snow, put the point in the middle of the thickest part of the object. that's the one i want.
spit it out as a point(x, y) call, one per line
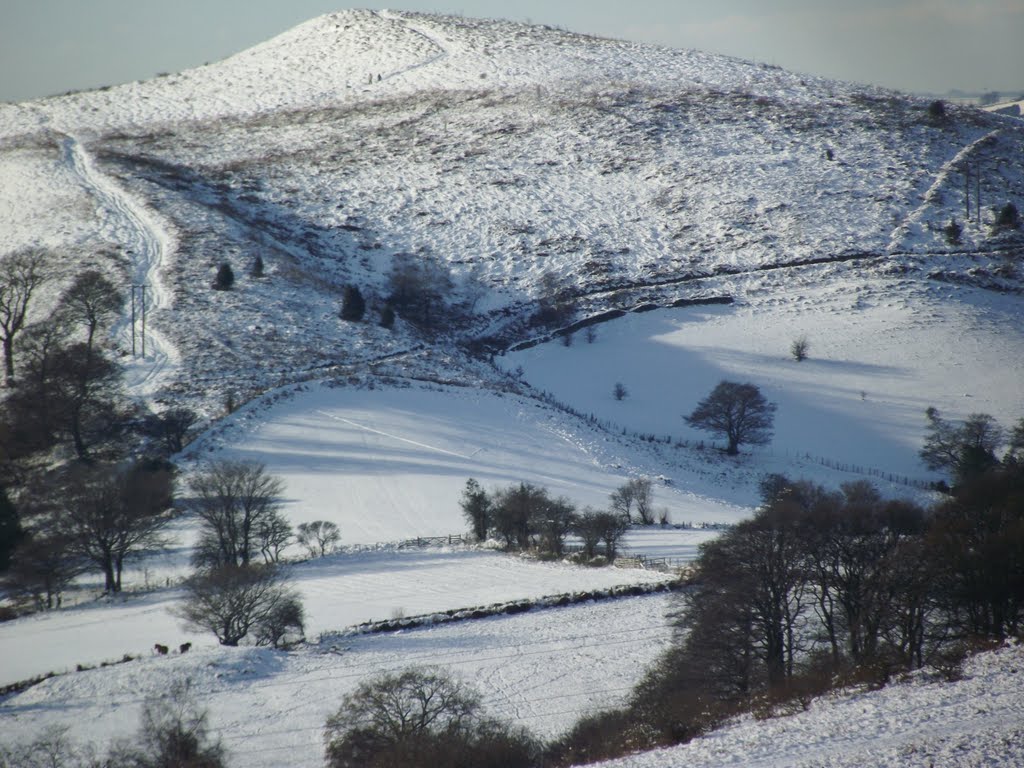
point(127, 222)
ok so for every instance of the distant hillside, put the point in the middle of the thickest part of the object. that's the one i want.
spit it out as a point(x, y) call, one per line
point(522, 162)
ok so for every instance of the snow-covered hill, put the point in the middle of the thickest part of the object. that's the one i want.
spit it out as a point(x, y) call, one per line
point(523, 163)
point(504, 153)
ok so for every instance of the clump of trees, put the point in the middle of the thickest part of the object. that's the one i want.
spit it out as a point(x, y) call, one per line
point(421, 716)
point(419, 289)
point(233, 593)
point(555, 302)
point(87, 517)
point(525, 516)
point(739, 413)
point(635, 494)
point(970, 447)
point(821, 588)
point(234, 602)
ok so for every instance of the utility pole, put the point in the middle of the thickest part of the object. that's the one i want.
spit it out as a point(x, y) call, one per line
point(133, 320)
point(139, 301)
point(967, 190)
point(142, 290)
point(978, 195)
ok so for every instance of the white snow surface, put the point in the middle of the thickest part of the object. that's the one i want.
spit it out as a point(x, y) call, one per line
point(390, 464)
point(507, 155)
point(976, 721)
point(540, 669)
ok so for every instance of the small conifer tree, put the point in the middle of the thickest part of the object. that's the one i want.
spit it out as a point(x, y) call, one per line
point(225, 278)
point(353, 306)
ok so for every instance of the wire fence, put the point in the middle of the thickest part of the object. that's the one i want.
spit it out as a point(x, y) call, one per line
point(699, 445)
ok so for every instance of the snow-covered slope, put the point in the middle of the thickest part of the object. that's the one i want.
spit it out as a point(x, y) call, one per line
point(504, 153)
point(521, 162)
point(972, 722)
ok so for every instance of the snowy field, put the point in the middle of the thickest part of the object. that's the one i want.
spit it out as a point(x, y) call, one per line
point(880, 355)
point(391, 464)
point(506, 155)
point(540, 669)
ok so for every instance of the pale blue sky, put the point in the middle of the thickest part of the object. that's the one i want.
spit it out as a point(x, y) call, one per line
point(51, 46)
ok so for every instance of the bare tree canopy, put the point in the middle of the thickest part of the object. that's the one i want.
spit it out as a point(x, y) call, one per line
point(233, 601)
point(964, 448)
point(319, 537)
point(112, 515)
point(21, 273)
point(421, 717)
point(737, 412)
point(91, 301)
point(234, 501)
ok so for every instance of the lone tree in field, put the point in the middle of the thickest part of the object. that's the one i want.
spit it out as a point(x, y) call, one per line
point(800, 348)
point(225, 278)
point(737, 412)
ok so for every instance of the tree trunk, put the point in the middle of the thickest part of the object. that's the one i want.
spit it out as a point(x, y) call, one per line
point(9, 361)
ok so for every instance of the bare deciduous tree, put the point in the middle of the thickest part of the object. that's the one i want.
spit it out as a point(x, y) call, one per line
point(91, 301)
point(173, 733)
point(643, 497)
point(737, 412)
point(421, 717)
point(232, 601)
point(21, 274)
point(319, 537)
point(172, 427)
point(112, 516)
point(233, 499)
point(964, 448)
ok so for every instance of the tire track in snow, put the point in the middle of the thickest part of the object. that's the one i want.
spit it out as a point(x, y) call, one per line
point(393, 437)
point(127, 222)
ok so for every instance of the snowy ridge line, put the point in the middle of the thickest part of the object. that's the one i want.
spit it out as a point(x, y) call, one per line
point(501, 609)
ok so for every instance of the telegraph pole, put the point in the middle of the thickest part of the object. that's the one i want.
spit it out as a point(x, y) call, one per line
point(133, 320)
point(978, 190)
point(142, 290)
point(967, 190)
point(139, 301)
